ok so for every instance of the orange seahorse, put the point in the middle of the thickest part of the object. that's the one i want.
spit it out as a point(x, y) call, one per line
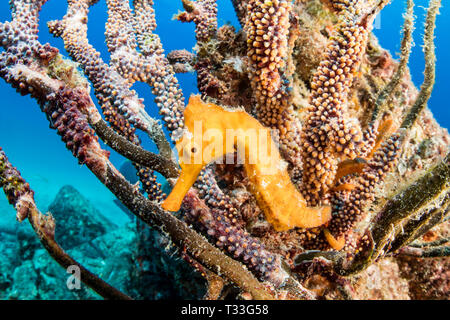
point(213, 132)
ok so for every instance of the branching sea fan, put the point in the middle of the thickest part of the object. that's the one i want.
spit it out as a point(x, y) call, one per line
point(308, 160)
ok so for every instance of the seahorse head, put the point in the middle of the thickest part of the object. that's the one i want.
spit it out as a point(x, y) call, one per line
point(203, 142)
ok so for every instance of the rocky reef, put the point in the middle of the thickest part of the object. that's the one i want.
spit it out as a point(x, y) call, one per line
point(117, 254)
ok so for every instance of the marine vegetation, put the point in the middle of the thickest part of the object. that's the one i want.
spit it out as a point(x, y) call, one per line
point(308, 159)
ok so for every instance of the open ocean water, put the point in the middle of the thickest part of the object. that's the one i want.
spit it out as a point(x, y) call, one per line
point(47, 165)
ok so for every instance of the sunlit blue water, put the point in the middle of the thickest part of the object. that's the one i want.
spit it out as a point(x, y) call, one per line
point(42, 158)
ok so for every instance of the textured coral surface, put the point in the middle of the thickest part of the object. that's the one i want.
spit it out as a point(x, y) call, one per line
point(357, 204)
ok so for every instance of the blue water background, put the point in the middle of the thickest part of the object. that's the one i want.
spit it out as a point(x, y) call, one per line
point(44, 161)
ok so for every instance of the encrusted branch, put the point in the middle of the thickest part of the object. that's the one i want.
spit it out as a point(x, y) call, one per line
point(270, 235)
point(426, 193)
point(430, 66)
point(112, 90)
point(330, 133)
point(240, 7)
point(135, 153)
point(204, 14)
point(269, 47)
point(433, 252)
point(405, 50)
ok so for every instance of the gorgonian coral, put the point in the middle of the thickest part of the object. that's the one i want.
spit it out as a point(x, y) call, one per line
point(302, 189)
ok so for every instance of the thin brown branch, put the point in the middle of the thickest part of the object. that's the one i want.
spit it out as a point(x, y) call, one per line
point(40, 224)
point(406, 45)
point(424, 194)
point(435, 243)
point(430, 66)
point(215, 286)
point(135, 153)
point(433, 252)
point(431, 189)
point(416, 227)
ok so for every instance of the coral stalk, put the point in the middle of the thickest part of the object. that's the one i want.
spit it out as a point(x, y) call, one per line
point(330, 133)
point(269, 45)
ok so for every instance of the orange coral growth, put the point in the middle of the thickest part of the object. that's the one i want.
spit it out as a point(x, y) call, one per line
point(336, 244)
point(344, 187)
point(348, 167)
point(225, 131)
point(384, 130)
point(357, 165)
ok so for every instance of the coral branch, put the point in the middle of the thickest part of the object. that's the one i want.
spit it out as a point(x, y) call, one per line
point(218, 202)
point(237, 242)
point(240, 7)
point(430, 66)
point(204, 14)
point(405, 50)
point(330, 133)
point(348, 207)
point(424, 194)
point(269, 45)
point(124, 34)
point(111, 89)
point(135, 153)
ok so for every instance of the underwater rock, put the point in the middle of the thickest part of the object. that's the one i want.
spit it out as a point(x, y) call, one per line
point(110, 260)
point(428, 279)
point(381, 281)
point(40, 277)
point(24, 283)
point(160, 275)
point(27, 242)
point(37, 276)
point(132, 259)
point(8, 254)
point(78, 221)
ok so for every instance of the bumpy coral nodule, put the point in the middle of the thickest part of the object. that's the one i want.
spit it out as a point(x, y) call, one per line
point(268, 26)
